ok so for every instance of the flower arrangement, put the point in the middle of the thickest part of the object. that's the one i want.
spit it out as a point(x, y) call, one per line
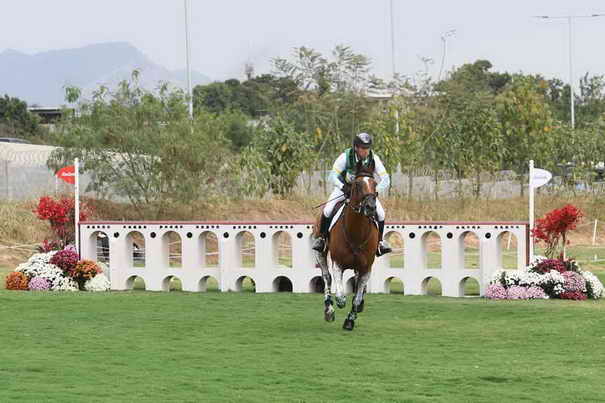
point(16, 281)
point(543, 278)
point(57, 271)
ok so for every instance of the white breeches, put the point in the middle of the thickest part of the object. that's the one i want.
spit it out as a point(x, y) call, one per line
point(337, 196)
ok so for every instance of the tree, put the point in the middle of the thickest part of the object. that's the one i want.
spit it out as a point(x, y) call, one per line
point(16, 120)
point(475, 77)
point(284, 152)
point(525, 120)
point(142, 146)
point(255, 97)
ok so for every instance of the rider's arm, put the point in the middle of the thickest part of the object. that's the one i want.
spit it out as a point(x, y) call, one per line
point(339, 165)
point(385, 179)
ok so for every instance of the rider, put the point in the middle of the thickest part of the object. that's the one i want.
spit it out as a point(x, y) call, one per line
point(342, 175)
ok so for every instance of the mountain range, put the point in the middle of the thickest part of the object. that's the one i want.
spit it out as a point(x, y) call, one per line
point(39, 79)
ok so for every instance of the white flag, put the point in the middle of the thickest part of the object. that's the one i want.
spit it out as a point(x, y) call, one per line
point(539, 177)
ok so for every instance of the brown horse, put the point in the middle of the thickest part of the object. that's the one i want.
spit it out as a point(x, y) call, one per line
point(352, 245)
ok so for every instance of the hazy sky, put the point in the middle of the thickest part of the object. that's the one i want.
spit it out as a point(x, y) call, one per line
point(227, 33)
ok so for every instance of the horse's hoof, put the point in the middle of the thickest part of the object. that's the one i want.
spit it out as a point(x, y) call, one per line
point(349, 324)
point(341, 302)
point(329, 316)
point(360, 306)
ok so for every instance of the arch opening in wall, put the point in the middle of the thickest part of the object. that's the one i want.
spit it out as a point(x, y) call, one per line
point(396, 259)
point(135, 247)
point(173, 249)
point(393, 285)
point(208, 284)
point(317, 284)
point(431, 286)
point(282, 250)
point(469, 287)
point(431, 246)
point(470, 245)
point(282, 284)
point(507, 251)
point(100, 244)
point(209, 249)
point(135, 283)
point(246, 249)
point(245, 284)
point(172, 283)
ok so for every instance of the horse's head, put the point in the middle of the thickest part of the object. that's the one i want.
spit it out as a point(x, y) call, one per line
point(363, 192)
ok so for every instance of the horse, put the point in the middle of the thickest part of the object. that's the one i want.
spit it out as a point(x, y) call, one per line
point(352, 245)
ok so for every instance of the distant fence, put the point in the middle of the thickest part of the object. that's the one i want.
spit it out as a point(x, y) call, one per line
point(24, 175)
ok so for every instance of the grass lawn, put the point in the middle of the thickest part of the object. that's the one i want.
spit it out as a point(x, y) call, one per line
point(126, 346)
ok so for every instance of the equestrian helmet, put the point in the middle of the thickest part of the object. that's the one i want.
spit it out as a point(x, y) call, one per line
point(363, 140)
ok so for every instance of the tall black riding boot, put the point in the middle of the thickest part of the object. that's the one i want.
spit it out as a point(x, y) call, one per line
point(383, 246)
point(320, 242)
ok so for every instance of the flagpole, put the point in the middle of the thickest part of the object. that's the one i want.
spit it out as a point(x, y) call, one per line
point(531, 210)
point(77, 205)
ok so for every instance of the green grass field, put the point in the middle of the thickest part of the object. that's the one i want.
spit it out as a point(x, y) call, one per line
point(127, 346)
point(152, 346)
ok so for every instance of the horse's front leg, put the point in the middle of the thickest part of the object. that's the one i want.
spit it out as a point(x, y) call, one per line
point(362, 282)
point(321, 259)
point(341, 299)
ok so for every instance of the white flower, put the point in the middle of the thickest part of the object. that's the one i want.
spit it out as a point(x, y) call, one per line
point(97, 283)
point(105, 269)
point(66, 284)
point(594, 284)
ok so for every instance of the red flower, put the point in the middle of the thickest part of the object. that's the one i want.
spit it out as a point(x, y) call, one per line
point(61, 215)
point(554, 227)
point(575, 295)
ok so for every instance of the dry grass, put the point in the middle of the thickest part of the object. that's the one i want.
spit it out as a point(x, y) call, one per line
point(20, 226)
point(20, 231)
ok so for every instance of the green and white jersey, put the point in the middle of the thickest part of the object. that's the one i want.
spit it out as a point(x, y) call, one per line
point(343, 170)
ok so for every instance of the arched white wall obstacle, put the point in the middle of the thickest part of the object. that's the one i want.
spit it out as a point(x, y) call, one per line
point(303, 272)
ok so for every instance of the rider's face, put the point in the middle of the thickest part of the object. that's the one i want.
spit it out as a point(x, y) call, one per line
point(362, 152)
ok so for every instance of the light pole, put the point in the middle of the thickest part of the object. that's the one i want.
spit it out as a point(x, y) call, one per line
point(392, 42)
point(570, 19)
point(188, 51)
point(444, 37)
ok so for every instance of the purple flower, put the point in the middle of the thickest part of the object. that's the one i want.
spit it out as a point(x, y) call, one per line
point(39, 284)
point(535, 292)
point(495, 291)
point(517, 292)
point(574, 281)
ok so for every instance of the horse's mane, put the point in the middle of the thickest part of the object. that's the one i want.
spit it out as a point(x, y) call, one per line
point(363, 170)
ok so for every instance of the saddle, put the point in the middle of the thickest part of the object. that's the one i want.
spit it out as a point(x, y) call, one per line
point(337, 213)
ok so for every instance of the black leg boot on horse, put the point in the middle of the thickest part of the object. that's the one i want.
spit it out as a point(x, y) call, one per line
point(320, 242)
point(383, 246)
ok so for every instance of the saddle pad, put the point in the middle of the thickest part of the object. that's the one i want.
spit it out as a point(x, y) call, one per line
point(336, 216)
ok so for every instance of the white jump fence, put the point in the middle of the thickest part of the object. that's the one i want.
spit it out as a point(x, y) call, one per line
point(200, 240)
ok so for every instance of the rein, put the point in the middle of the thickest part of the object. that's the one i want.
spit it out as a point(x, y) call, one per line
point(357, 250)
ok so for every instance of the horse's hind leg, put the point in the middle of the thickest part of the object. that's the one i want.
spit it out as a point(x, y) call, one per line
point(329, 314)
point(362, 282)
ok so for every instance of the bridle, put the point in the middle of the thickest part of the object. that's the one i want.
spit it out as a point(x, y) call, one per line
point(363, 204)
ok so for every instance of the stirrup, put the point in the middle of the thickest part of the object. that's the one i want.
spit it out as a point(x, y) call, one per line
point(383, 248)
